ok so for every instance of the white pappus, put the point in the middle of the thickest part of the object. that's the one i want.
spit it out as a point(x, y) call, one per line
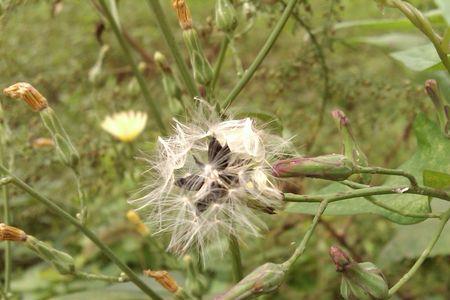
point(210, 179)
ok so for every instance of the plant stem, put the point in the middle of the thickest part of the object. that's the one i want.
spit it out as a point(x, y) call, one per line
point(173, 47)
point(220, 59)
point(90, 276)
point(127, 51)
point(370, 191)
point(378, 170)
point(87, 232)
point(445, 217)
point(302, 247)
point(261, 55)
point(238, 273)
point(376, 202)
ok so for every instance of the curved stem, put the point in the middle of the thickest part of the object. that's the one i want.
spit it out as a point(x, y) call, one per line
point(173, 47)
point(370, 191)
point(302, 247)
point(384, 171)
point(127, 51)
point(261, 55)
point(88, 233)
point(444, 219)
point(236, 258)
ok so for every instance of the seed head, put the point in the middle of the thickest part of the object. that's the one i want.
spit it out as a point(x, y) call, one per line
point(210, 179)
point(27, 93)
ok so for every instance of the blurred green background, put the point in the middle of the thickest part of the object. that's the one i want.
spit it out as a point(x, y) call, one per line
point(54, 46)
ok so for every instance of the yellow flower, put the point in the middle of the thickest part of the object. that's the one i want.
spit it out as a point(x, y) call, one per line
point(125, 125)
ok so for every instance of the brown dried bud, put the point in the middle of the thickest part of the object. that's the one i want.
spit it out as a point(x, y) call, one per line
point(164, 279)
point(340, 258)
point(9, 233)
point(27, 93)
point(183, 14)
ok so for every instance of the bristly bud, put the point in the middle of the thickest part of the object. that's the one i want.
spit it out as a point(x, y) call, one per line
point(27, 93)
point(140, 227)
point(63, 145)
point(350, 147)
point(183, 14)
point(263, 280)
point(226, 19)
point(164, 279)
point(443, 109)
point(359, 280)
point(330, 167)
point(10, 233)
point(61, 261)
point(203, 72)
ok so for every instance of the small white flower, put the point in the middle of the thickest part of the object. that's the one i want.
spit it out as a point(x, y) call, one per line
point(125, 126)
point(211, 179)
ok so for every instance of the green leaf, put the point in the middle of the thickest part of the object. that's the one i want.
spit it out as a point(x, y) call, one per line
point(437, 180)
point(419, 58)
point(407, 245)
point(444, 6)
point(432, 154)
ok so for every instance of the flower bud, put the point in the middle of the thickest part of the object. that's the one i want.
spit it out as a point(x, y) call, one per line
point(203, 72)
point(63, 145)
point(164, 279)
point(170, 85)
point(263, 280)
point(443, 110)
point(9, 233)
point(359, 280)
point(61, 261)
point(330, 167)
point(27, 93)
point(350, 147)
point(226, 19)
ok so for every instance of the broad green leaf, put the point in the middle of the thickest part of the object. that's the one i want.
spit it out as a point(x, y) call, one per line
point(444, 6)
point(432, 154)
point(435, 16)
point(407, 245)
point(436, 180)
point(419, 58)
point(394, 41)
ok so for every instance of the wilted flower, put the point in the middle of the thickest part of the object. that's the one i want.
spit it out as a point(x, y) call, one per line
point(27, 93)
point(209, 180)
point(126, 125)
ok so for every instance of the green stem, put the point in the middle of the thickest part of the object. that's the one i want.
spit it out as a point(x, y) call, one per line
point(87, 232)
point(384, 171)
point(173, 47)
point(421, 22)
point(444, 219)
point(127, 51)
point(238, 273)
point(261, 55)
point(7, 221)
point(370, 191)
point(220, 59)
point(90, 276)
point(355, 185)
point(302, 247)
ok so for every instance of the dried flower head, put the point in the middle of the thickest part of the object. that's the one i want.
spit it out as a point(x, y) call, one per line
point(163, 278)
point(27, 93)
point(125, 126)
point(183, 14)
point(210, 179)
point(9, 233)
